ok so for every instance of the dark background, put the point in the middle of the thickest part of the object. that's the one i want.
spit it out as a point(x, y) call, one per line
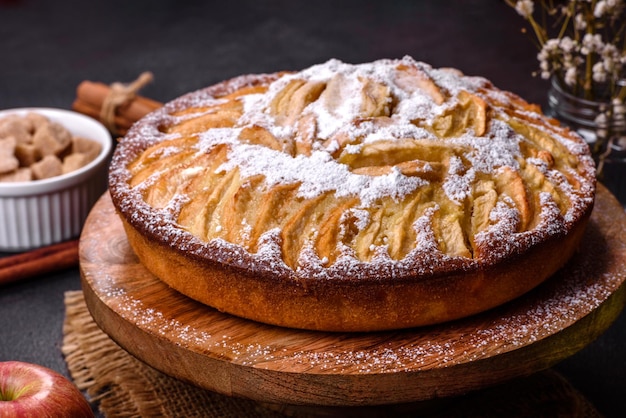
point(48, 47)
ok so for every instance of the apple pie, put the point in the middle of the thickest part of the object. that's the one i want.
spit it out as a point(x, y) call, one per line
point(343, 197)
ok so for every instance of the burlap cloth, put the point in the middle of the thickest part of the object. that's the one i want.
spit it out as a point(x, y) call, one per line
point(122, 386)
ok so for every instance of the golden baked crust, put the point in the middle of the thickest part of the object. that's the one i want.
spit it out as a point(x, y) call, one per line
point(353, 197)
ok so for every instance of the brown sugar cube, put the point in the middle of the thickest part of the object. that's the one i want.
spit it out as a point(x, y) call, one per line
point(9, 120)
point(26, 154)
point(17, 127)
point(86, 146)
point(48, 166)
point(16, 119)
point(75, 161)
point(7, 145)
point(21, 174)
point(36, 120)
point(8, 162)
point(52, 139)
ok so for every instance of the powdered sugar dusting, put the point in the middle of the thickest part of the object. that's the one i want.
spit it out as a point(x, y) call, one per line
point(317, 174)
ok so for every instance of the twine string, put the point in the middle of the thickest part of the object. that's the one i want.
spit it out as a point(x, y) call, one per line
point(119, 95)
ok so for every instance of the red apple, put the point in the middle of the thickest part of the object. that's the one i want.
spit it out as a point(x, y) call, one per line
point(30, 390)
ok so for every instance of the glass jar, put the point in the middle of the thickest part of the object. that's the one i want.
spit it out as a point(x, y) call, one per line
point(578, 113)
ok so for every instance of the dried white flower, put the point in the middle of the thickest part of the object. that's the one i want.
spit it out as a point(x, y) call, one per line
point(570, 76)
point(591, 43)
point(608, 8)
point(550, 58)
point(567, 44)
point(612, 60)
point(566, 11)
point(525, 8)
point(580, 23)
point(599, 72)
point(600, 9)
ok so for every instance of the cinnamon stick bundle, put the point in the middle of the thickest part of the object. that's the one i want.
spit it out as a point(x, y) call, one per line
point(92, 97)
point(40, 261)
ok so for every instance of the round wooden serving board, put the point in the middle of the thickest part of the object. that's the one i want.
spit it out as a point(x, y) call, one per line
point(237, 357)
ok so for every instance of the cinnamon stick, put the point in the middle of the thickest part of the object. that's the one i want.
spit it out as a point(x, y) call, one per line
point(96, 93)
point(91, 96)
point(122, 122)
point(43, 260)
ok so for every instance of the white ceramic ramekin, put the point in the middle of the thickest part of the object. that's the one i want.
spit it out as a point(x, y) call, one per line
point(42, 212)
